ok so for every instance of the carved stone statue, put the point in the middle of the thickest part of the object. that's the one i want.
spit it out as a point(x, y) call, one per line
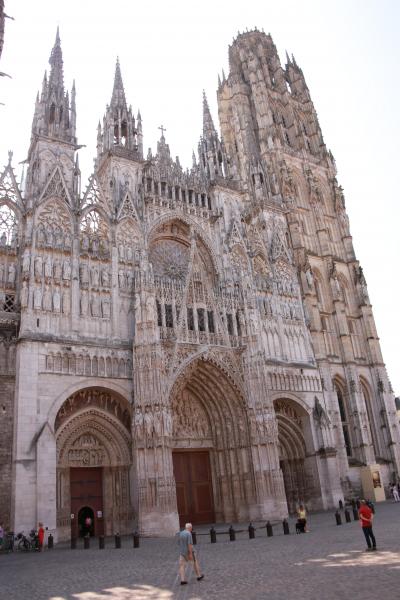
point(105, 278)
point(84, 303)
point(95, 276)
point(11, 274)
point(67, 269)
point(57, 269)
point(37, 298)
point(56, 300)
point(105, 307)
point(47, 300)
point(26, 261)
point(66, 302)
point(95, 305)
point(150, 308)
point(38, 266)
point(84, 273)
point(24, 295)
point(121, 279)
point(148, 423)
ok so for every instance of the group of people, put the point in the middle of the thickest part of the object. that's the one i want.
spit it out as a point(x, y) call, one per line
point(40, 536)
point(187, 554)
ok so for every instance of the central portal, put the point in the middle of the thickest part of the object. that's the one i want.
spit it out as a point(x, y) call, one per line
point(194, 493)
point(86, 501)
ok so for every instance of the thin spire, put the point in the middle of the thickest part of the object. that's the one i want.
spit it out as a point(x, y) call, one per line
point(208, 125)
point(118, 95)
point(56, 79)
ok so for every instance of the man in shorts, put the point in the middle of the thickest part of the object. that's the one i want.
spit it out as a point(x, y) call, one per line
point(187, 554)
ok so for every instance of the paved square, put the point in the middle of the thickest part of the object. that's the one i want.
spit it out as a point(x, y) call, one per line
point(328, 563)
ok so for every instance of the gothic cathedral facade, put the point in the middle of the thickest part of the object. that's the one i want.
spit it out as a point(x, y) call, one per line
point(185, 344)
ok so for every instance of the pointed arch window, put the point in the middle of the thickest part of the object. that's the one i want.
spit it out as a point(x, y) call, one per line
point(371, 420)
point(8, 226)
point(344, 420)
point(52, 115)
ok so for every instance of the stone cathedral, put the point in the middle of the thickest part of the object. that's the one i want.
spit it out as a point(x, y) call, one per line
point(185, 344)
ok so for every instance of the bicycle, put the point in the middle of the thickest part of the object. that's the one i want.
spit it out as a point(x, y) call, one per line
point(24, 545)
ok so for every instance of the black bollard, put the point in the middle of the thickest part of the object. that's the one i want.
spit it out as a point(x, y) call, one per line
point(347, 516)
point(194, 538)
point(285, 525)
point(340, 505)
point(338, 518)
point(117, 540)
point(270, 531)
point(136, 539)
point(213, 535)
point(232, 534)
point(50, 542)
point(73, 543)
point(355, 513)
point(86, 542)
point(101, 542)
point(252, 532)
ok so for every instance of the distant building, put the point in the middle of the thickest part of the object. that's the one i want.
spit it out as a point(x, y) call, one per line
point(185, 344)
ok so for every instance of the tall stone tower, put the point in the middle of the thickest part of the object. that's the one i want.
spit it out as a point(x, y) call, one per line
point(186, 344)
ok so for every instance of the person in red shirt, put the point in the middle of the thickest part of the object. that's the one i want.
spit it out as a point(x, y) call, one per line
point(41, 536)
point(365, 515)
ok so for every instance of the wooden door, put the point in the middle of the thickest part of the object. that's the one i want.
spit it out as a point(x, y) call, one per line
point(193, 487)
point(87, 491)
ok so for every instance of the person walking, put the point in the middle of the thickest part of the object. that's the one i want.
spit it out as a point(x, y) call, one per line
point(187, 554)
point(395, 493)
point(366, 516)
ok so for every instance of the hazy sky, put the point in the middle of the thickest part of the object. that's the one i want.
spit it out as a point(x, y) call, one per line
point(170, 51)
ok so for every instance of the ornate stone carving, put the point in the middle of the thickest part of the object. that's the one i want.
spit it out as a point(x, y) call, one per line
point(189, 418)
point(93, 398)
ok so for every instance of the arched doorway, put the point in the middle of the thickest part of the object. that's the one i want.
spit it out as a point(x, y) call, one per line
point(94, 463)
point(86, 522)
point(211, 446)
point(297, 458)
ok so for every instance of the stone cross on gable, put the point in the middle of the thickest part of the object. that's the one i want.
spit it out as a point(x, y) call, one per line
point(162, 129)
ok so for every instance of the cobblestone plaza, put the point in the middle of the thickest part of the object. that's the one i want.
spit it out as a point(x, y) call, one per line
point(329, 563)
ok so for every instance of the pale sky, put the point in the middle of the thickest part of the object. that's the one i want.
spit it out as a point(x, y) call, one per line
point(349, 51)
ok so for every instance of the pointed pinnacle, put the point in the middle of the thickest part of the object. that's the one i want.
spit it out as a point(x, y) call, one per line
point(118, 94)
point(208, 125)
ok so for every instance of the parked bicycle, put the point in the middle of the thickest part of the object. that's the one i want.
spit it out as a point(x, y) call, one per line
point(26, 544)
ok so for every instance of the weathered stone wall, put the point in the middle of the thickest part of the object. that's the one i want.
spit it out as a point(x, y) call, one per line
point(7, 388)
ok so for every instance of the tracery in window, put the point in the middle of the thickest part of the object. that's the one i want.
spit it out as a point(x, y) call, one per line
point(8, 226)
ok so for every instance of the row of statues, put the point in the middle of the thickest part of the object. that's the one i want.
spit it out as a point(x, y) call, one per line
point(94, 275)
point(8, 274)
point(53, 237)
point(45, 298)
point(95, 305)
point(47, 267)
